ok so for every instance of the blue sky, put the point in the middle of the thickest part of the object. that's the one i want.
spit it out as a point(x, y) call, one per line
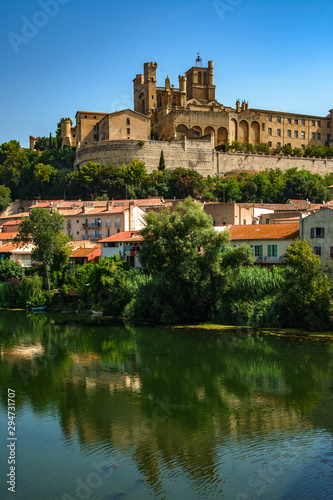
point(61, 56)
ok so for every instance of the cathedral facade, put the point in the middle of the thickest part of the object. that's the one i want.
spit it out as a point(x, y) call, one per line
point(192, 111)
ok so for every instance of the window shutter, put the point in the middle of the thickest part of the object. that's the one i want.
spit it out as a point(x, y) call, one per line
point(260, 250)
point(269, 250)
point(275, 252)
point(312, 232)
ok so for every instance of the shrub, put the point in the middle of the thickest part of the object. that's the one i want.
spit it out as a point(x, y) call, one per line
point(10, 269)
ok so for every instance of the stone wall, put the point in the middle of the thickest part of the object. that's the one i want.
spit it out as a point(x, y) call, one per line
point(227, 162)
point(196, 154)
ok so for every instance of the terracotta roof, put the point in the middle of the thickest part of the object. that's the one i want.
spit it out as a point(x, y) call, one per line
point(15, 216)
point(265, 231)
point(103, 211)
point(7, 236)
point(12, 222)
point(271, 206)
point(85, 252)
point(8, 247)
point(123, 236)
point(68, 212)
point(45, 204)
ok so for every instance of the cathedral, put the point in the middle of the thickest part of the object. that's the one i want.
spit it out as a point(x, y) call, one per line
point(191, 111)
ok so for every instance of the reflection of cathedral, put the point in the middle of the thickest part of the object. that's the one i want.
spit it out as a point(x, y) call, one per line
point(192, 111)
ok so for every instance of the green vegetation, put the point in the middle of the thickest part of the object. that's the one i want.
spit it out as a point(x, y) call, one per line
point(43, 229)
point(48, 172)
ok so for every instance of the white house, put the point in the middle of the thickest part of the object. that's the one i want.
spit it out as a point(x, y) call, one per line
point(125, 243)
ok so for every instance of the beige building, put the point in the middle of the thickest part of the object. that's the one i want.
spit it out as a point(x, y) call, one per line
point(318, 229)
point(228, 214)
point(269, 241)
point(125, 124)
point(191, 110)
point(91, 223)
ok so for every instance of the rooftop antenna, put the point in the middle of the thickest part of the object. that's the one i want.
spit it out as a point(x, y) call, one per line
point(198, 61)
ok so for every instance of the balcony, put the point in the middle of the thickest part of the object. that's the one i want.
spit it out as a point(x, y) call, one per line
point(91, 225)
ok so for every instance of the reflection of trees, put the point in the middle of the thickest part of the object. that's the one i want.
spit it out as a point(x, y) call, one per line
point(172, 397)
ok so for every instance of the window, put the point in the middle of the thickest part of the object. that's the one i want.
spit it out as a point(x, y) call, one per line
point(289, 121)
point(278, 144)
point(278, 132)
point(270, 143)
point(268, 221)
point(331, 252)
point(296, 121)
point(329, 124)
point(313, 123)
point(97, 223)
point(296, 134)
point(319, 123)
point(279, 119)
point(128, 121)
point(313, 136)
point(117, 221)
point(98, 234)
point(317, 232)
point(205, 77)
point(303, 147)
point(317, 250)
point(303, 122)
point(244, 222)
point(94, 117)
point(159, 101)
point(77, 232)
point(108, 222)
point(289, 133)
point(328, 138)
point(269, 131)
point(199, 77)
point(273, 251)
point(269, 118)
point(69, 233)
point(262, 126)
point(319, 136)
point(303, 135)
point(257, 250)
point(152, 97)
point(107, 233)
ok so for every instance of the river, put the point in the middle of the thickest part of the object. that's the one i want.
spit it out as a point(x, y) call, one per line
point(107, 411)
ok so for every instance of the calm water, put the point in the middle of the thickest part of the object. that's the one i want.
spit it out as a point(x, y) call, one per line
point(106, 412)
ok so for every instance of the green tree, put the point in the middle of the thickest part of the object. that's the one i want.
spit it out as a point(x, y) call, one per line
point(182, 251)
point(306, 292)
point(161, 165)
point(43, 229)
point(5, 198)
point(10, 269)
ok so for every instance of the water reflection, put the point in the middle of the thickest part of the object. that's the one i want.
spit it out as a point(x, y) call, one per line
point(197, 414)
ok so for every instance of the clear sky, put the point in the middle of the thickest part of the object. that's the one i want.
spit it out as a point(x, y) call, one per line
point(61, 56)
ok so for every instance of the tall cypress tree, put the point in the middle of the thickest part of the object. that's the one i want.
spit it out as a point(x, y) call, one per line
point(161, 165)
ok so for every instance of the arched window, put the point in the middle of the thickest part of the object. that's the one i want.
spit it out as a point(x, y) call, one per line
point(205, 78)
point(159, 101)
point(199, 77)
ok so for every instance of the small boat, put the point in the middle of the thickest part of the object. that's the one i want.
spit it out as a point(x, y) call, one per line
point(97, 313)
point(38, 309)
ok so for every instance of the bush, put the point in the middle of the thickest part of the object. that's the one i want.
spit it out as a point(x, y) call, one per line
point(9, 269)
